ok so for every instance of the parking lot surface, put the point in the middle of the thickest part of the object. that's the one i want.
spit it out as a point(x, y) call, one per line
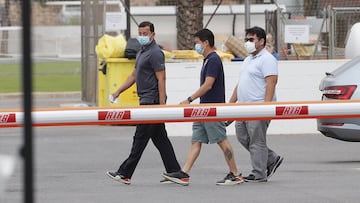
point(71, 162)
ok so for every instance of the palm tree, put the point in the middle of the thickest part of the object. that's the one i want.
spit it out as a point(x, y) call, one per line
point(189, 19)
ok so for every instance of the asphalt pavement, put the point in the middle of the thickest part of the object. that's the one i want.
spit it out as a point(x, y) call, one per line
point(71, 165)
point(41, 100)
point(71, 162)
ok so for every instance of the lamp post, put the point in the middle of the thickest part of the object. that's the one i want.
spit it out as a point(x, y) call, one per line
point(27, 148)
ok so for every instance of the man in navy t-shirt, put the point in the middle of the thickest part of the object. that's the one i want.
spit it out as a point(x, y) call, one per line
point(212, 90)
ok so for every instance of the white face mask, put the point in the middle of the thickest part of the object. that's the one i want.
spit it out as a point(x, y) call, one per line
point(250, 47)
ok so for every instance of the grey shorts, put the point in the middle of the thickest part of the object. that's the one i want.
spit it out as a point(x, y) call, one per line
point(208, 132)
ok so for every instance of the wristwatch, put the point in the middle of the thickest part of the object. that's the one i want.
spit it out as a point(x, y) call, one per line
point(190, 99)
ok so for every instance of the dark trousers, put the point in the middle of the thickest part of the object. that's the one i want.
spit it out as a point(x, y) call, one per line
point(157, 133)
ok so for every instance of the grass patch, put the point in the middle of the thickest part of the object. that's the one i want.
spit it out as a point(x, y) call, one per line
point(47, 77)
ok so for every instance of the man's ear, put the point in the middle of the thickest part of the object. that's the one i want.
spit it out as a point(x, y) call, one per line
point(262, 40)
point(206, 42)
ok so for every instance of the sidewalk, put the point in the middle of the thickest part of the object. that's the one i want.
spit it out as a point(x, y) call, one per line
point(42, 100)
point(43, 95)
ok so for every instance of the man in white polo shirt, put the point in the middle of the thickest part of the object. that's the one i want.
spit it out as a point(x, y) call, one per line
point(257, 83)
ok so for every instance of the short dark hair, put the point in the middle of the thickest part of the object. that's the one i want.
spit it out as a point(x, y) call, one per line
point(205, 34)
point(147, 24)
point(258, 31)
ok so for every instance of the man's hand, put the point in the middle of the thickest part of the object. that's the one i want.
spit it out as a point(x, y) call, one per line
point(185, 102)
point(112, 99)
point(115, 95)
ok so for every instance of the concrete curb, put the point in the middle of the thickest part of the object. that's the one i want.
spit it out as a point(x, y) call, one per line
point(43, 95)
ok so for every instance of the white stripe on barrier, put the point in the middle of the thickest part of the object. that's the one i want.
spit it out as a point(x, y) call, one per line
point(184, 113)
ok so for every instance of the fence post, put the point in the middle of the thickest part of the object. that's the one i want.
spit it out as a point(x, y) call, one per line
point(91, 25)
point(331, 51)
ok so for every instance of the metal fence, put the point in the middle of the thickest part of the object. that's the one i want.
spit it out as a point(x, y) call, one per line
point(57, 34)
point(327, 29)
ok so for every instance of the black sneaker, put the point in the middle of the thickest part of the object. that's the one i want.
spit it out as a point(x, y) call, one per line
point(231, 179)
point(165, 181)
point(272, 168)
point(251, 178)
point(179, 177)
point(118, 177)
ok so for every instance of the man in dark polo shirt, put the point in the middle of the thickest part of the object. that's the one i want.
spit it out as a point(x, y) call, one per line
point(149, 75)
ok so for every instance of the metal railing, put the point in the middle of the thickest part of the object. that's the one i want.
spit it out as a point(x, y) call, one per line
point(328, 32)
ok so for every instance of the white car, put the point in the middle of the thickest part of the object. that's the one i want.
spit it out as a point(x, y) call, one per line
point(342, 84)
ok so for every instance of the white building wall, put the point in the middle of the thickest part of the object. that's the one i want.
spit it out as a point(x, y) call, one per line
point(298, 81)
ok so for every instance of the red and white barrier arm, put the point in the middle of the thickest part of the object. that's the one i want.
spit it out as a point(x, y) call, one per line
point(183, 113)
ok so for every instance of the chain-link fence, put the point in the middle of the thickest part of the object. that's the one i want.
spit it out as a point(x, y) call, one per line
point(313, 30)
point(57, 24)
